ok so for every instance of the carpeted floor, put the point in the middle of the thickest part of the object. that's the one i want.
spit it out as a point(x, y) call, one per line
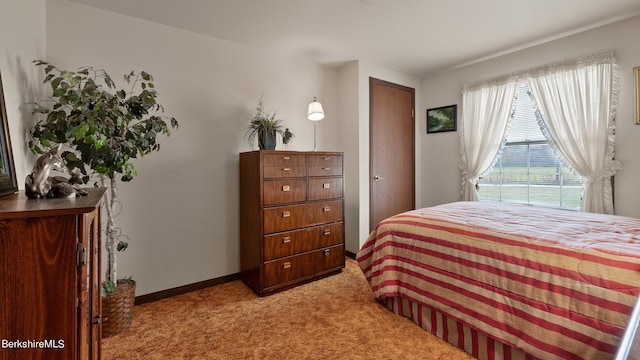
point(333, 318)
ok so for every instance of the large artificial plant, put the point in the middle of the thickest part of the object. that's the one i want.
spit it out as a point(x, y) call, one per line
point(103, 130)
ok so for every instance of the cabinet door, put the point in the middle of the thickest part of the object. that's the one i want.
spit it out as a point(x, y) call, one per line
point(38, 287)
point(96, 281)
point(89, 328)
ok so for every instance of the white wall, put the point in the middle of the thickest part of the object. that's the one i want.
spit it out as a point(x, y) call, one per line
point(22, 40)
point(181, 212)
point(441, 156)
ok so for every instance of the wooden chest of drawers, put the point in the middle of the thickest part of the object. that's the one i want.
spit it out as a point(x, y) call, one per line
point(291, 217)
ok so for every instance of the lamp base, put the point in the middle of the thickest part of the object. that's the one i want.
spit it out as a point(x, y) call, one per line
point(315, 146)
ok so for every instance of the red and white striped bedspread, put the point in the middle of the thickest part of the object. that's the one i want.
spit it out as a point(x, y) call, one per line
point(556, 284)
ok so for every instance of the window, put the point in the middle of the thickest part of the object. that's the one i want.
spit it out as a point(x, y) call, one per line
point(528, 171)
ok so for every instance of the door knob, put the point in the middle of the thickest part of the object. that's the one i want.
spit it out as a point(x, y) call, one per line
point(377, 178)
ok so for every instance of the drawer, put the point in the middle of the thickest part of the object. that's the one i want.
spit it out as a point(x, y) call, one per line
point(285, 218)
point(325, 170)
point(325, 159)
point(303, 265)
point(284, 191)
point(325, 188)
point(284, 165)
point(273, 172)
point(325, 165)
point(284, 160)
point(299, 241)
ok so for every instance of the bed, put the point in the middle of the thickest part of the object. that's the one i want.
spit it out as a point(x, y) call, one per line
point(509, 281)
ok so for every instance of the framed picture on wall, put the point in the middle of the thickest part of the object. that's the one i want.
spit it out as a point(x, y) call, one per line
point(636, 81)
point(8, 184)
point(442, 119)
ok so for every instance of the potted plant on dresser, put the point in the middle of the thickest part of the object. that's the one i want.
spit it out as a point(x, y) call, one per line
point(265, 126)
point(102, 129)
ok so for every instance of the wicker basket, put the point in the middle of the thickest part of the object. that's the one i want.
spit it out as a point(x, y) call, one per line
point(117, 308)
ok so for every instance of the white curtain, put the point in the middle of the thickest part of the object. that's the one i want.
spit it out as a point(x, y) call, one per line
point(486, 111)
point(579, 101)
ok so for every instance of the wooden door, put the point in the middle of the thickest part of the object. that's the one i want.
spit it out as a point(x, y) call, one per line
point(392, 150)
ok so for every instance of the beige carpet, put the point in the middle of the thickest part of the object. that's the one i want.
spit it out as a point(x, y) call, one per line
point(332, 318)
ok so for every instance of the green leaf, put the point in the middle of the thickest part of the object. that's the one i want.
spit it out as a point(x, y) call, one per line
point(70, 157)
point(79, 131)
point(75, 80)
point(107, 288)
point(58, 92)
point(55, 82)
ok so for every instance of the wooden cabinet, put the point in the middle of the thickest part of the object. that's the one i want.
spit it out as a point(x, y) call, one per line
point(291, 217)
point(50, 277)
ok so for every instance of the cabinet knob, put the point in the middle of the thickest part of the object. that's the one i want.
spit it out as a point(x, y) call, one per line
point(97, 319)
point(327, 252)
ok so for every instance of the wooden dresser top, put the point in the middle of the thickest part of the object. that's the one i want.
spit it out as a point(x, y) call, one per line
point(18, 205)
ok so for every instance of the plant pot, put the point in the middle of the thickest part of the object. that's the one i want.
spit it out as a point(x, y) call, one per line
point(117, 308)
point(267, 140)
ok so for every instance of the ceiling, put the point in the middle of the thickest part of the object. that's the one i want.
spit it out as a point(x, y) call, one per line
point(416, 37)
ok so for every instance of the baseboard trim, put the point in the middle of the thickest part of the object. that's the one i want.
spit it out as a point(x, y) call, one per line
point(159, 295)
point(147, 298)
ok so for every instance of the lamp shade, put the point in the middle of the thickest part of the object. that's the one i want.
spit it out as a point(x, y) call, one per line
point(315, 111)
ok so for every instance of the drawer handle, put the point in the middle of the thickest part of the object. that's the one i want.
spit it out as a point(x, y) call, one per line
point(326, 208)
point(326, 158)
point(327, 252)
point(286, 169)
point(286, 158)
point(326, 231)
point(286, 214)
point(286, 240)
point(286, 265)
point(286, 188)
point(326, 185)
point(327, 168)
